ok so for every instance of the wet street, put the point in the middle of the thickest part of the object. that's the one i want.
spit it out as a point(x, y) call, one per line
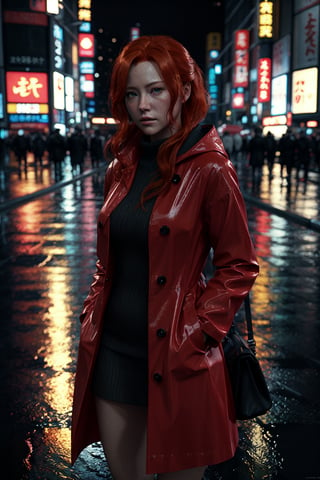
point(47, 257)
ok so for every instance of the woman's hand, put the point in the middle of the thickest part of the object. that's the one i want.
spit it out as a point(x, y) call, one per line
point(209, 341)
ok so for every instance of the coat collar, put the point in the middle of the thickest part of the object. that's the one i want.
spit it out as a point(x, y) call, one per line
point(202, 139)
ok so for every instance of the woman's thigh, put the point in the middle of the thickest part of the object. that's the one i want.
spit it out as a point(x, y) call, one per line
point(123, 436)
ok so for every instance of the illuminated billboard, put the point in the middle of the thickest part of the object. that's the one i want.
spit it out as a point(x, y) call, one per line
point(27, 87)
point(304, 91)
point(84, 11)
point(238, 100)
point(241, 59)
point(86, 67)
point(264, 79)
point(58, 91)
point(279, 92)
point(53, 7)
point(306, 37)
point(265, 19)
point(86, 45)
point(69, 94)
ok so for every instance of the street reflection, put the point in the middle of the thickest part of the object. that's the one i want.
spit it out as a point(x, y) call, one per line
point(23, 182)
point(58, 343)
point(260, 447)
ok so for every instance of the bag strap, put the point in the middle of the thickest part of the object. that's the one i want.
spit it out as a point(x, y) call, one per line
point(248, 316)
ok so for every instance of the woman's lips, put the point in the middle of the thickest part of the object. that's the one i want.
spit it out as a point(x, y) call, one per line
point(147, 121)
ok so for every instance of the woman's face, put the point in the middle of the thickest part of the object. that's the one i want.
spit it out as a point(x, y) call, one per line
point(148, 101)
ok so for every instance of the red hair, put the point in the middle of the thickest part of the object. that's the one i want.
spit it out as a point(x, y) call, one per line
point(177, 68)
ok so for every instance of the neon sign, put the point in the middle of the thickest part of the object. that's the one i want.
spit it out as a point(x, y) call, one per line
point(27, 87)
point(265, 27)
point(264, 79)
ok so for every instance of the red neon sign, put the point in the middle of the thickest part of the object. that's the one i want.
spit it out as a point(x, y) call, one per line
point(238, 100)
point(241, 59)
point(27, 87)
point(264, 80)
point(86, 44)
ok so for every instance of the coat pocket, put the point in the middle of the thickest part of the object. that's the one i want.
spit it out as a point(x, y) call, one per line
point(187, 346)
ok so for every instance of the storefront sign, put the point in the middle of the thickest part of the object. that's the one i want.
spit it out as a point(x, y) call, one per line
point(238, 101)
point(27, 87)
point(264, 79)
point(306, 38)
point(58, 57)
point(304, 91)
point(265, 19)
point(84, 10)
point(58, 91)
point(241, 59)
point(279, 92)
point(86, 45)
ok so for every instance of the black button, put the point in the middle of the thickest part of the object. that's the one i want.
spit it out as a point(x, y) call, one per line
point(164, 230)
point(161, 280)
point(176, 178)
point(157, 377)
point(161, 332)
point(100, 224)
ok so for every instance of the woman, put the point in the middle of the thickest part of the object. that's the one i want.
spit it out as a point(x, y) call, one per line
point(151, 380)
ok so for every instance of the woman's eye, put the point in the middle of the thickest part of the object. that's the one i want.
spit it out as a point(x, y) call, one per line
point(156, 90)
point(130, 94)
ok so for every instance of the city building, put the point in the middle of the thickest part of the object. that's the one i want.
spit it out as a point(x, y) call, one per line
point(46, 72)
point(268, 64)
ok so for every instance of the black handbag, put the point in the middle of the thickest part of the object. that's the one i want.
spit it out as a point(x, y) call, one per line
point(249, 387)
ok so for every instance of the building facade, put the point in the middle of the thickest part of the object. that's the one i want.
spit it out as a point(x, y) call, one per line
point(43, 46)
point(269, 64)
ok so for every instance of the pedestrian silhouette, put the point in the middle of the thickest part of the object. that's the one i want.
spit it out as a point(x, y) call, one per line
point(38, 147)
point(56, 146)
point(96, 149)
point(77, 145)
point(287, 147)
point(270, 148)
point(21, 146)
point(256, 150)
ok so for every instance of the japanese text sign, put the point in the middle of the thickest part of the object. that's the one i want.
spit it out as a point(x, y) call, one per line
point(27, 87)
point(84, 10)
point(306, 38)
point(304, 91)
point(241, 59)
point(264, 79)
point(265, 19)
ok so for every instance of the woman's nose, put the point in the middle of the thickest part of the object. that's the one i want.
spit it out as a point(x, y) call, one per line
point(143, 103)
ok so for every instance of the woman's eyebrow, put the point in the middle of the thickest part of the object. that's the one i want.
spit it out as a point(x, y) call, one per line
point(148, 84)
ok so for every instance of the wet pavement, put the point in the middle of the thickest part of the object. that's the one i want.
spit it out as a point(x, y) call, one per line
point(47, 256)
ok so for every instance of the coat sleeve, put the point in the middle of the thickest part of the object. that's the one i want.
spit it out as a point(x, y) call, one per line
point(100, 273)
point(234, 259)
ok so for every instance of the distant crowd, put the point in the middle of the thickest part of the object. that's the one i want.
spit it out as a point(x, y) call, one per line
point(295, 151)
point(55, 147)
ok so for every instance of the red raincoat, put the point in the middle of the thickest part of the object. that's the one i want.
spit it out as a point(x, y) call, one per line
point(191, 420)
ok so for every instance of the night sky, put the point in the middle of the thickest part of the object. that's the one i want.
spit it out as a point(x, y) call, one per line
point(179, 19)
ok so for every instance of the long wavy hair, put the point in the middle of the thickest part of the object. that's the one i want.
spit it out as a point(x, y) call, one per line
point(177, 69)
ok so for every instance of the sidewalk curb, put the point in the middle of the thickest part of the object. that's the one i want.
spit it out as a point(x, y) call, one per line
point(17, 202)
point(310, 223)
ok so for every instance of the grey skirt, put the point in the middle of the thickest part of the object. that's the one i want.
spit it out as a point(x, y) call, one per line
point(120, 378)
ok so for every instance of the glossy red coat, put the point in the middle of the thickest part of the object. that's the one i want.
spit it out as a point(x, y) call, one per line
point(191, 419)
